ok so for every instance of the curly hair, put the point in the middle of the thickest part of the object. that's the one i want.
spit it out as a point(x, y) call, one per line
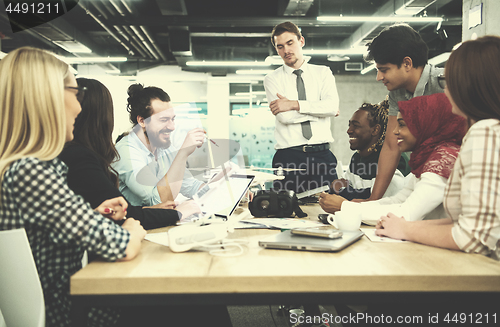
point(139, 100)
point(377, 114)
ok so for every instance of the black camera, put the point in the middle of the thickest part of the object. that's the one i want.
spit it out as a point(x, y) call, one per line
point(267, 203)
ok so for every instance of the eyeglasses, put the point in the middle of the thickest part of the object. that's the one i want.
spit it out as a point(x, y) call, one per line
point(80, 91)
point(442, 81)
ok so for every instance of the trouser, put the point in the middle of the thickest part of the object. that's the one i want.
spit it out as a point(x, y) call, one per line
point(316, 169)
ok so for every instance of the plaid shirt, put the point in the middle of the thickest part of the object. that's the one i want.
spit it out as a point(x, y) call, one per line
point(472, 196)
point(60, 226)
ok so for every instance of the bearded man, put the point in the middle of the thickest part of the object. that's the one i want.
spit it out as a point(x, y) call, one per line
point(150, 169)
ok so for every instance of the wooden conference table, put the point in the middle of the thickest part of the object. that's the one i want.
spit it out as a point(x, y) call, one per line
point(365, 272)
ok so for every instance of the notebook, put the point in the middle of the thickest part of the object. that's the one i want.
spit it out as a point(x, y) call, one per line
point(222, 197)
point(287, 241)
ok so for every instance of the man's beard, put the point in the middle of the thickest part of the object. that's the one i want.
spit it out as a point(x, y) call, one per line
point(155, 140)
point(293, 61)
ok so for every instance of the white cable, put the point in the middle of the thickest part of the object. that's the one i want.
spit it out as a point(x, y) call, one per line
point(224, 248)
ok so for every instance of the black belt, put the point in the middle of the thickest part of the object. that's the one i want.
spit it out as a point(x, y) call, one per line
point(311, 148)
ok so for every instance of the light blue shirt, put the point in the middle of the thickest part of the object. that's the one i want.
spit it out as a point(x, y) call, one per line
point(139, 171)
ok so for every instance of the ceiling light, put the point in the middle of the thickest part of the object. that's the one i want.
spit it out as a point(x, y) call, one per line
point(226, 63)
point(386, 19)
point(90, 60)
point(337, 58)
point(112, 71)
point(73, 46)
point(253, 72)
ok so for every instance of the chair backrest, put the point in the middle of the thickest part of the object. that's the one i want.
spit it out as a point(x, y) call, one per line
point(21, 295)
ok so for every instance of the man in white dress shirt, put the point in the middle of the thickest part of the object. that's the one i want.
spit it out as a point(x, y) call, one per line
point(303, 97)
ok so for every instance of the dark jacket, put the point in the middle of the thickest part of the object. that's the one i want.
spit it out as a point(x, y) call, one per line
point(87, 177)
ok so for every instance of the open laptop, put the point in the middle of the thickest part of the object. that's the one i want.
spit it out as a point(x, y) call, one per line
point(222, 197)
point(288, 241)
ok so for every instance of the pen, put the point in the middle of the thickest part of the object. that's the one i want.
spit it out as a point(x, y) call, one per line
point(210, 139)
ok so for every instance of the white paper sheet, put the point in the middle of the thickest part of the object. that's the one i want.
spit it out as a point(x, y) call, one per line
point(370, 233)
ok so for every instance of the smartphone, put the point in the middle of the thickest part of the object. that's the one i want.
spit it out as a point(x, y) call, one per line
point(315, 232)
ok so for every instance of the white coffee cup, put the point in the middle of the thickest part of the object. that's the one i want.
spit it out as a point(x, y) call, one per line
point(345, 220)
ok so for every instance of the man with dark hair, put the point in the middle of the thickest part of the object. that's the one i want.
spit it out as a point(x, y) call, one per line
point(400, 55)
point(150, 171)
point(303, 97)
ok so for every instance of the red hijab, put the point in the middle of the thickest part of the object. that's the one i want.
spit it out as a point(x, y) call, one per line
point(438, 131)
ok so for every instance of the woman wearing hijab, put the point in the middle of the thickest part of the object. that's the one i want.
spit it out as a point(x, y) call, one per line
point(428, 128)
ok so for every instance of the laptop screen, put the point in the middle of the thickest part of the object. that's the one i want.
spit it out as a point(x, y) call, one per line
point(222, 197)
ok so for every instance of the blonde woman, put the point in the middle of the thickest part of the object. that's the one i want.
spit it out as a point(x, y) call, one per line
point(38, 107)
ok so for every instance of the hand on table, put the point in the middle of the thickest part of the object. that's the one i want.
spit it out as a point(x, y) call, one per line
point(188, 208)
point(391, 226)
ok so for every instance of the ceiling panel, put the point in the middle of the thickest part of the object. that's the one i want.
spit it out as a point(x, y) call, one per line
point(155, 32)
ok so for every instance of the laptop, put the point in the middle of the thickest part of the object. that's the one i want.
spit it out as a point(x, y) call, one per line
point(222, 197)
point(287, 241)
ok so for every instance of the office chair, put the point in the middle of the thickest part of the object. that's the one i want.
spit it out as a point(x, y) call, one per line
point(21, 295)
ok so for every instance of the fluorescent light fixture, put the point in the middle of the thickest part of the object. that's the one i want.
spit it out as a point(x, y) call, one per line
point(90, 60)
point(387, 19)
point(253, 72)
point(439, 58)
point(367, 69)
point(73, 46)
point(112, 71)
point(226, 63)
point(337, 58)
